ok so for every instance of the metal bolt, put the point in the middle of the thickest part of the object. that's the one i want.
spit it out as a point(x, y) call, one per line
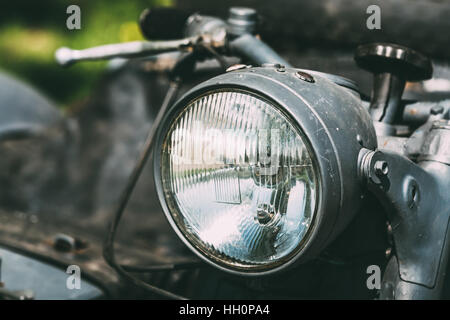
point(305, 76)
point(437, 110)
point(381, 168)
point(389, 229)
point(389, 234)
point(65, 243)
point(359, 139)
point(280, 68)
point(388, 252)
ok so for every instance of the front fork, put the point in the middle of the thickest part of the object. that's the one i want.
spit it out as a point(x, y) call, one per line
point(417, 200)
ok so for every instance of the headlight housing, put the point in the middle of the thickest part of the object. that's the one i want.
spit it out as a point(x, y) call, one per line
point(248, 171)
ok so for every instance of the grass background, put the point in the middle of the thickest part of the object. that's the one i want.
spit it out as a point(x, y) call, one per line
point(31, 31)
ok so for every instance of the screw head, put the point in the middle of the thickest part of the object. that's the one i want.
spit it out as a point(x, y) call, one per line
point(305, 76)
point(389, 229)
point(388, 252)
point(280, 68)
point(381, 168)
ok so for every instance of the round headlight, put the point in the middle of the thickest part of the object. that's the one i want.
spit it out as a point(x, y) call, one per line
point(251, 166)
point(239, 178)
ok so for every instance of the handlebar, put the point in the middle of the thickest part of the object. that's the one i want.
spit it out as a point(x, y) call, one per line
point(256, 51)
point(235, 36)
point(66, 56)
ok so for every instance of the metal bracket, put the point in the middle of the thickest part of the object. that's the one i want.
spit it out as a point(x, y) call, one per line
point(417, 203)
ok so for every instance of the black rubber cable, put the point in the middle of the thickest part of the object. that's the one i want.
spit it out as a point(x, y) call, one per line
point(108, 248)
point(184, 66)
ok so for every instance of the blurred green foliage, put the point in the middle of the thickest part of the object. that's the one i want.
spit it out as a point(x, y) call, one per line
point(31, 31)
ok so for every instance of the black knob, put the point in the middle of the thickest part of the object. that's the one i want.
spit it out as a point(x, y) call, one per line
point(163, 23)
point(392, 65)
point(393, 58)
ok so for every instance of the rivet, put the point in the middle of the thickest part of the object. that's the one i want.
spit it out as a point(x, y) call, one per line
point(305, 76)
point(237, 67)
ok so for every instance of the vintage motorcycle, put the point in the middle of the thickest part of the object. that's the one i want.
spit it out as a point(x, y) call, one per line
point(284, 182)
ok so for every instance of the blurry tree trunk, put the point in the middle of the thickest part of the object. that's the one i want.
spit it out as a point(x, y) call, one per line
point(420, 24)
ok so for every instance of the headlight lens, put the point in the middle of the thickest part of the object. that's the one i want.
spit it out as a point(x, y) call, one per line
point(239, 179)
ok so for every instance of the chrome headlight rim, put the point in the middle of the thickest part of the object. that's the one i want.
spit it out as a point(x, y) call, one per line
point(316, 135)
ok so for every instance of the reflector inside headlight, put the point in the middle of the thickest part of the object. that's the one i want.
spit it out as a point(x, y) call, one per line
point(239, 180)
